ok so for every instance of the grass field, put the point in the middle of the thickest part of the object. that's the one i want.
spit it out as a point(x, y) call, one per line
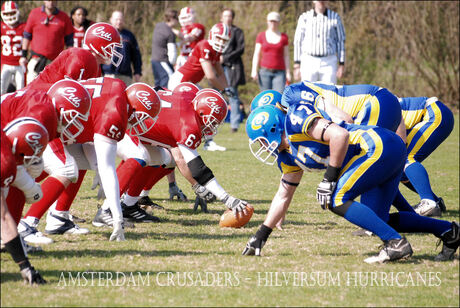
point(314, 261)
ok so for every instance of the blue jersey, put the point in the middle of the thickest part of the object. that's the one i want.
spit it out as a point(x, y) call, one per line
point(366, 104)
point(413, 109)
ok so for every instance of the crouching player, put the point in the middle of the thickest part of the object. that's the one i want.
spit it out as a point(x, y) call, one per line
point(197, 115)
point(22, 144)
point(359, 161)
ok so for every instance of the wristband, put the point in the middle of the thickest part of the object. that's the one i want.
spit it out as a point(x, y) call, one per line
point(24, 53)
point(332, 173)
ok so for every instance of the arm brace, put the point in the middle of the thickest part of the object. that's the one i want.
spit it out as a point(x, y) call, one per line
point(200, 172)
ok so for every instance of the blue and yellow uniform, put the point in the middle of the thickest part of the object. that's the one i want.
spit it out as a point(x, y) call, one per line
point(372, 167)
point(366, 104)
point(428, 123)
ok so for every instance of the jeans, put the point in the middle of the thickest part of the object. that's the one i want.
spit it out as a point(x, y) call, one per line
point(235, 113)
point(161, 72)
point(272, 79)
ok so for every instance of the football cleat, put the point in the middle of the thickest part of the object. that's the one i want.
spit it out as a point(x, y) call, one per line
point(441, 205)
point(210, 145)
point(450, 242)
point(392, 250)
point(31, 235)
point(428, 208)
point(61, 224)
point(103, 218)
point(146, 201)
point(136, 214)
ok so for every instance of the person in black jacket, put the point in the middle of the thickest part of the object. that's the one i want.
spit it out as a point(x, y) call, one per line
point(233, 66)
point(130, 68)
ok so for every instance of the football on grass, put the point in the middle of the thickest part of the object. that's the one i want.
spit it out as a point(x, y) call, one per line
point(229, 220)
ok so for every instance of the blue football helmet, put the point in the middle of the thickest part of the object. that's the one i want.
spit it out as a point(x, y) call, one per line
point(265, 126)
point(267, 97)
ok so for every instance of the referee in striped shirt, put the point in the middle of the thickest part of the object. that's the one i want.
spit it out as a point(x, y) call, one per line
point(319, 42)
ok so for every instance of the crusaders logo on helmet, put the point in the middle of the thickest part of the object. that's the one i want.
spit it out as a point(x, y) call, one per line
point(212, 102)
point(68, 94)
point(259, 120)
point(33, 140)
point(99, 32)
point(143, 97)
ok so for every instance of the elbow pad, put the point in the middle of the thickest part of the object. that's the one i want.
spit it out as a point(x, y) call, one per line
point(200, 172)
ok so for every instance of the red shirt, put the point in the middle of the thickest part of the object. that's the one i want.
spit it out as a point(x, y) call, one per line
point(30, 103)
point(78, 35)
point(109, 109)
point(75, 63)
point(48, 39)
point(272, 54)
point(8, 165)
point(197, 31)
point(177, 123)
point(192, 69)
point(11, 43)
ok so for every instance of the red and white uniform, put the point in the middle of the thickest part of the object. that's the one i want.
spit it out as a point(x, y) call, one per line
point(196, 31)
point(178, 123)
point(11, 45)
point(75, 63)
point(192, 71)
point(78, 35)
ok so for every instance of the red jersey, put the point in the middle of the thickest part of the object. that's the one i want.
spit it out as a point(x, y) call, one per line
point(8, 165)
point(48, 33)
point(192, 69)
point(109, 109)
point(177, 123)
point(30, 103)
point(11, 43)
point(74, 63)
point(79, 34)
point(197, 31)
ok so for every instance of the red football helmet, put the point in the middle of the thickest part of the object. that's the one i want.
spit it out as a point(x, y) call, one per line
point(28, 139)
point(186, 87)
point(147, 106)
point(186, 16)
point(102, 38)
point(10, 13)
point(73, 103)
point(219, 37)
point(212, 109)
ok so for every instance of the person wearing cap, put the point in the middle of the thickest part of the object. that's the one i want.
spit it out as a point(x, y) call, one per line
point(319, 41)
point(272, 52)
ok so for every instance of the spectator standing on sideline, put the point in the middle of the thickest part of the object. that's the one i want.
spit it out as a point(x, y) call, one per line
point(48, 30)
point(319, 40)
point(164, 53)
point(233, 66)
point(80, 24)
point(131, 54)
point(274, 60)
point(11, 31)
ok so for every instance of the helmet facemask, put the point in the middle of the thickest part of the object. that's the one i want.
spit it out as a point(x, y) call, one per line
point(220, 43)
point(263, 151)
point(70, 125)
point(138, 123)
point(10, 17)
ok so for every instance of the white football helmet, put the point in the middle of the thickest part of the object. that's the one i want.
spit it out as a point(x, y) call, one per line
point(10, 13)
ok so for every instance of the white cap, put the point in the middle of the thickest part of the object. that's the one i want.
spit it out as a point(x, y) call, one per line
point(273, 16)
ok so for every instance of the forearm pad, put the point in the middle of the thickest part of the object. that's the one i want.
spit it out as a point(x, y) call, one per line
point(200, 172)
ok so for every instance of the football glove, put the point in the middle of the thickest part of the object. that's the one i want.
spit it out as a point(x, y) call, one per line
point(118, 233)
point(253, 247)
point(202, 203)
point(35, 169)
point(229, 92)
point(32, 276)
point(34, 194)
point(203, 193)
point(324, 193)
point(175, 191)
point(97, 182)
point(235, 204)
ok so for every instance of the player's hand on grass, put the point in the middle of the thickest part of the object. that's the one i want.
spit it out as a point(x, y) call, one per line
point(32, 276)
point(118, 233)
point(175, 191)
point(253, 247)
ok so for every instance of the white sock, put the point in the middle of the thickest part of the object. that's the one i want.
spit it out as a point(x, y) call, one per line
point(31, 221)
point(129, 200)
point(144, 193)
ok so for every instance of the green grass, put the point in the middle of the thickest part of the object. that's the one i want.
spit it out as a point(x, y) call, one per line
point(314, 242)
